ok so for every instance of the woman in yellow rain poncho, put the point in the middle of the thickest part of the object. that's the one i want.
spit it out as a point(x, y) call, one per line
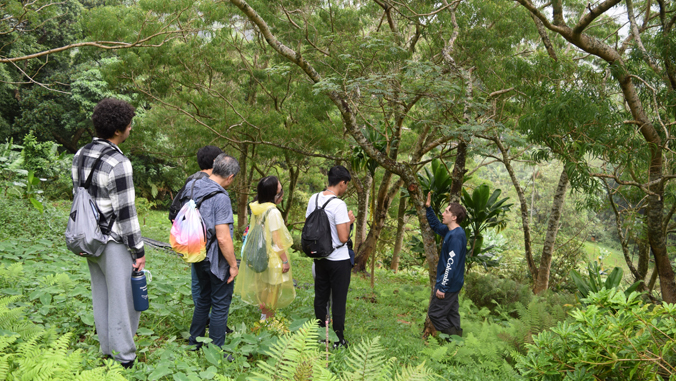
point(271, 288)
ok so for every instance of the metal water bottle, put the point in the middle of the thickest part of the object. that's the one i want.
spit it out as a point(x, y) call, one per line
point(139, 290)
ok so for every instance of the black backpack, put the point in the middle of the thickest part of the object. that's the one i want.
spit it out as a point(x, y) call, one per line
point(316, 239)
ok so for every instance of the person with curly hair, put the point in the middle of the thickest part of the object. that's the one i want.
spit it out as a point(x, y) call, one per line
point(112, 188)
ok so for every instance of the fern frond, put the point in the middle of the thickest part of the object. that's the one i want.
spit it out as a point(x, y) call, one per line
point(321, 373)
point(111, 371)
point(13, 320)
point(293, 357)
point(9, 275)
point(4, 366)
point(8, 315)
point(366, 362)
point(6, 341)
point(418, 373)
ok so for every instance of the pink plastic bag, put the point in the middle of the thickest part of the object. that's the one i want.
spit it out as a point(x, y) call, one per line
point(188, 234)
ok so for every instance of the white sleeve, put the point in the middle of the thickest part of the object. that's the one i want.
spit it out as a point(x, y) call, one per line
point(340, 212)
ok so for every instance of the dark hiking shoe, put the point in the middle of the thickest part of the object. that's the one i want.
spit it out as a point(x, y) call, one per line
point(456, 331)
point(228, 357)
point(343, 343)
point(452, 332)
point(127, 365)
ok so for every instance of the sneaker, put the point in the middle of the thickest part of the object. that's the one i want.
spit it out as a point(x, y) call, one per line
point(128, 364)
point(338, 344)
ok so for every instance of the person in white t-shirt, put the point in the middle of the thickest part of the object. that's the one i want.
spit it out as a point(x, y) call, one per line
point(333, 272)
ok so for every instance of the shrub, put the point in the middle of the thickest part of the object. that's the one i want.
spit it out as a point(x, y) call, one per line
point(616, 337)
point(486, 290)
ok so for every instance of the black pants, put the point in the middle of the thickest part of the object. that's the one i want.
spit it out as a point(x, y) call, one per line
point(333, 280)
point(444, 313)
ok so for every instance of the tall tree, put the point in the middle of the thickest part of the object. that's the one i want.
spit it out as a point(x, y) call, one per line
point(652, 68)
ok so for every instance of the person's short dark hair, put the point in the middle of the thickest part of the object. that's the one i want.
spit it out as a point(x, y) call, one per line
point(267, 189)
point(458, 211)
point(111, 115)
point(338, 174)
point(206, 156)
point(225, 165)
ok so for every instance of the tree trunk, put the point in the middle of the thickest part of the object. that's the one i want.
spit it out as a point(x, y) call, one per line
point(401, 224)
point(70, 146)
point(643, 262)
point(385, 196)
point(644, 250)
point(242, 190)
point(458, 174)
point(431, 252)
point(294, 173)
point(525, 216)
point(542, 281)
point(363, 196)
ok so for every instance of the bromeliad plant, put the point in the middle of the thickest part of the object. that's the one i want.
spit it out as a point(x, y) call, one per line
point(594, 283)
point(438, 181)
point(484, 211)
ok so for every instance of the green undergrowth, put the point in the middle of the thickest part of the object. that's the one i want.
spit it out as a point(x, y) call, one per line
point(50, 286)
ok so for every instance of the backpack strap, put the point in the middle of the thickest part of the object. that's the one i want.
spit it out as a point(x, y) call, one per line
point(198, 204)
point(324, 206)
point(104, 225)
point(88, 182)
point(206, 197)
point(265, 215)
point(327, 201)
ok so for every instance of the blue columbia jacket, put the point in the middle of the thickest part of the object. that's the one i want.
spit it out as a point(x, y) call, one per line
point(451, 266)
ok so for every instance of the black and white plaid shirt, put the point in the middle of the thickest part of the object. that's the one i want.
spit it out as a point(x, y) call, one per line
point(112, 189)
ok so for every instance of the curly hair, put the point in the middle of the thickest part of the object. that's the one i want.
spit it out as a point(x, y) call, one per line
point(111, 115)
point(206, 156)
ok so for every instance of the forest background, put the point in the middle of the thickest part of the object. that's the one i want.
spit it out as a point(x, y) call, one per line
point(551, 122)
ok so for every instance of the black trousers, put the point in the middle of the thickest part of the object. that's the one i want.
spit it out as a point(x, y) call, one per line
point(444, 313)
point(332, 281)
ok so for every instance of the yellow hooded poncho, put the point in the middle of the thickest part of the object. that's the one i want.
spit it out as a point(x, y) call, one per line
point(271, 287)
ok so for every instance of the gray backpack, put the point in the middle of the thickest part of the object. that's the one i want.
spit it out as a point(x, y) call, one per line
point(88, 231)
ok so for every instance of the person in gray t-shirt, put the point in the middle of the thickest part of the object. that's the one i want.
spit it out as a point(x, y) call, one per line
point(216, 274)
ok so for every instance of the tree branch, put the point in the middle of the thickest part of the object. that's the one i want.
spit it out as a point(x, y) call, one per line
point(593, 14)
point(557, 27)
point(543, 35)
point(637, 37)
point(107, 45)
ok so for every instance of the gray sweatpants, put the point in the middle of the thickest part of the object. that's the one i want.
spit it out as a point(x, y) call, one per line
point(114, 314)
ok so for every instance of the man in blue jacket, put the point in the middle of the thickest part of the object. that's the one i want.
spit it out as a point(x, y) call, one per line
point(443, 310)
